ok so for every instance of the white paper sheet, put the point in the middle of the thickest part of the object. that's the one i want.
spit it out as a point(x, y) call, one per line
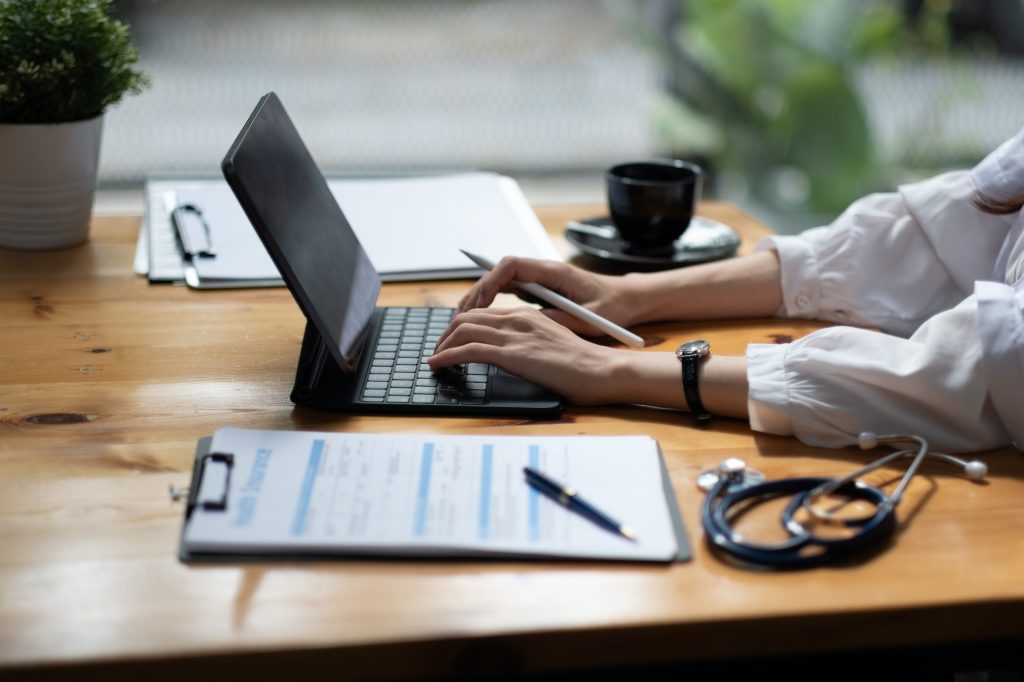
point(417, 225)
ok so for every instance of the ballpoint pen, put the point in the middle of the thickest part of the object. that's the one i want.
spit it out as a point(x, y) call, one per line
point(562, 303)
point(570, 499)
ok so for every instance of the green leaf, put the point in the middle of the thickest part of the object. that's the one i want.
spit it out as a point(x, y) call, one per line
point(64, 60)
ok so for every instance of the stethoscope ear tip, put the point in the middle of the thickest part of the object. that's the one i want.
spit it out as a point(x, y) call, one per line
point(867, 440)
point(976, 470)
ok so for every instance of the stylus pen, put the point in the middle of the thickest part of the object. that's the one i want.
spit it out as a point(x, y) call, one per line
point(570, 499)
point(562, 303)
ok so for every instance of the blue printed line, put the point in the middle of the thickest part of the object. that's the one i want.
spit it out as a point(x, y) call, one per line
point(421, 500)
point(534, 496)
point(485, 492)
point(299, 525)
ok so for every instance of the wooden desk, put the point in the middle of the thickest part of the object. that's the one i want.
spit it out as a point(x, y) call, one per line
point(107, 382)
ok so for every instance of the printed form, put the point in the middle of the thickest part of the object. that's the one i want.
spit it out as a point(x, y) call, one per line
point(432, 495)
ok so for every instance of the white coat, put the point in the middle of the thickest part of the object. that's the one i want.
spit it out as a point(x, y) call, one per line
point(942, 280)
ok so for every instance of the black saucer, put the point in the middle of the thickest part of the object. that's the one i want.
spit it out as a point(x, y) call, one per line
point(704, 240)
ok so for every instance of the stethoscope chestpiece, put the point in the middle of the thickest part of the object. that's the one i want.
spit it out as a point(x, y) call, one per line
point(734, 469)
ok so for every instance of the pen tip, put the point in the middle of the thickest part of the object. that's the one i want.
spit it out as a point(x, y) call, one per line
point(627, 533)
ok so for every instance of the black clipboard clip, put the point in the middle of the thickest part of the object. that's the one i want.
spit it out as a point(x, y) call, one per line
point(193, 231)
point(211, 495)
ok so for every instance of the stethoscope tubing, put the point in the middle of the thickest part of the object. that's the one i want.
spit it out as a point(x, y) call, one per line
point(803, 548)
point(798, 551)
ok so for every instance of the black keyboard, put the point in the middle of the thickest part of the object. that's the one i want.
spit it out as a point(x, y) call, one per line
point(399, 372)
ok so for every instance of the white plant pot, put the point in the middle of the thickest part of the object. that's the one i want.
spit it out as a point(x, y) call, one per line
point(47, 183)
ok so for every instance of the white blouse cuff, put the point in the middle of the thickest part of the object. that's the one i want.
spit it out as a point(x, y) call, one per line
point(801, 289)
point(768, 397)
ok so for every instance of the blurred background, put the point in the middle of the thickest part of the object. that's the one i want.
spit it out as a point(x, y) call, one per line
point(793, 107)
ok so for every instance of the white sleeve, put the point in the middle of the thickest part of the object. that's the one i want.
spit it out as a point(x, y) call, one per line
point(892, 260)
point(834, 383)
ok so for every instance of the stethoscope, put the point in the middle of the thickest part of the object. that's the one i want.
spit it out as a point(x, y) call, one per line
point(731, 486)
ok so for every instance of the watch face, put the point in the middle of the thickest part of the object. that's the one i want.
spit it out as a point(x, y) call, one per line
point(697, 347)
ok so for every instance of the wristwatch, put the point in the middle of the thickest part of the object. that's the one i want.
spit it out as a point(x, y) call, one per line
point(690, 354)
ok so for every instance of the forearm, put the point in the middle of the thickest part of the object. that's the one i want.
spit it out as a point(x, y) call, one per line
point(645, 378)
point(749, 286)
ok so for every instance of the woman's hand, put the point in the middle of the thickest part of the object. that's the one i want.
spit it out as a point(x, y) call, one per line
point(609, 297)
point(524, 342)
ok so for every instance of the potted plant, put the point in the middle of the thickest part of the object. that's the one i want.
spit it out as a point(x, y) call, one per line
point(62, 64)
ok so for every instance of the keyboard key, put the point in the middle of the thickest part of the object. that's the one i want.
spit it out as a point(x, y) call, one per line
point(407, 337)
point(449, 386)
point(372, 399)
point(424, 399)
point(373, 393)
point(477, 368)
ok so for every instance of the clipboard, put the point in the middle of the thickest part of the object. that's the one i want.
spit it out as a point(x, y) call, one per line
point(196, 232)
point(209, 491)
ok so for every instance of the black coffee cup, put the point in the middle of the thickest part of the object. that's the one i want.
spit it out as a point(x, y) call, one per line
point(652, 202)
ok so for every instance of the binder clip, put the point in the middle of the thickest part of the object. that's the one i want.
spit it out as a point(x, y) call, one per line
point(210, 483)
point(193, 232)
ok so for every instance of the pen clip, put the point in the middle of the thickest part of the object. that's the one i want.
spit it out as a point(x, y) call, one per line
point(190, 225)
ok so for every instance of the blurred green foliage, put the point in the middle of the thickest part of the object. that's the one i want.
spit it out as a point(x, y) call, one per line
point(764, 90)
point(63, 60)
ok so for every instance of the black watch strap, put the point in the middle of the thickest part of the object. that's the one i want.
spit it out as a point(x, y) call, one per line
point(690, 355)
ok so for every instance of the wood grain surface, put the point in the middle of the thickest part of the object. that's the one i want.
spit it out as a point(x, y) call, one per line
point(106, 382)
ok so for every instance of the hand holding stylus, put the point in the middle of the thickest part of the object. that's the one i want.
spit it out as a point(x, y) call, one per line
point(529, 275)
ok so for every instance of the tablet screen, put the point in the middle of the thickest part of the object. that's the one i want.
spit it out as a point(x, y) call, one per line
point(289, 204)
